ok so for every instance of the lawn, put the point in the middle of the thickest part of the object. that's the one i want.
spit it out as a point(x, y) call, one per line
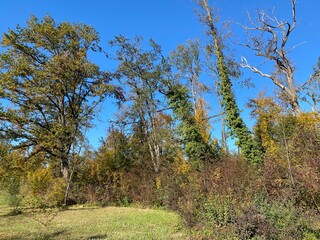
point(91, 223)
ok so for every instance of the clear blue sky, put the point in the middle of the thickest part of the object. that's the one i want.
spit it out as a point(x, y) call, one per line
point(169, 23)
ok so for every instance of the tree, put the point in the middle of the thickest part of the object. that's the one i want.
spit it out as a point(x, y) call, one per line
point(194, 142)
point(209, 53)
point(311, 89)
point(269, 41)
point(234, 121)
point(115, 150)
point(140, 70)
point(12, 171)
point(187, 61)
point(50, 87)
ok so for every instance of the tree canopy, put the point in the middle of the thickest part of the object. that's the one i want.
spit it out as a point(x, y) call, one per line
point(50, 86)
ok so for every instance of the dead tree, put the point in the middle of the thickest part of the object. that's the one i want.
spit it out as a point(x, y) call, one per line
point(267, 38)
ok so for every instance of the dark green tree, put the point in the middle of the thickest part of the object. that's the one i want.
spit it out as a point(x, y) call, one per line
point(50, 87)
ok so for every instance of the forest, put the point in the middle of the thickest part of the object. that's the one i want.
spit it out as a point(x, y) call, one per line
point(162, 149)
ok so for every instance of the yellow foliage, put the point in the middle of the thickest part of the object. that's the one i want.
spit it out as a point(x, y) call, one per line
point(158, 183)
point(217, 173)
point(201, 119)
point(39, 180)
point(308, 121)
point(268, 113)
point(56, 191)
point(180, 165)
point(45, 189)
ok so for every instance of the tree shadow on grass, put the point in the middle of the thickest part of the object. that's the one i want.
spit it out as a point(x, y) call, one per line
point(12, 213)
point(52, 235)
point(42, 236)
point(97, 237)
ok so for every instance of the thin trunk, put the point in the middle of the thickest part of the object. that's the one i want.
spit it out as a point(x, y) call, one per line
point(194, 97)
point(288, 158)
point(223, 127)
point(154, 141)
point(154, 148)
point(314, 100)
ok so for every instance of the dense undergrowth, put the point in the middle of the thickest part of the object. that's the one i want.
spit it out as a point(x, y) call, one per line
point(227, 199)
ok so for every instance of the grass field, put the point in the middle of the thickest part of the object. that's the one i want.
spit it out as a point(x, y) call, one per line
point(91, 223)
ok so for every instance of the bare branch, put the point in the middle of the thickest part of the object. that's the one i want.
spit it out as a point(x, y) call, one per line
point(244, 63)
point(269, 42)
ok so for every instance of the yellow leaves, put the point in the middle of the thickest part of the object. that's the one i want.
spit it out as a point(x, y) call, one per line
point(308, 121)
point(217, 173)
point(45, 189)
point(6, 40)
point(201, 119)
point(162, 120)
point(158, 183)
point(180, 165)
point(56, 191)
point(39, 180)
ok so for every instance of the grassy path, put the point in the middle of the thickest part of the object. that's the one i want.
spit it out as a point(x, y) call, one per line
point(92, 223)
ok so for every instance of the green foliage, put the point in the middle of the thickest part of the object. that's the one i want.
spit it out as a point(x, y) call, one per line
point(52, 91)
point(216, 211)
point(141, 71)
point(44, 189)
point(12, 173)
point(197, 149)
point(284, 217)
point(115, 151)
point(47, 79)
point(238, 128)
point(12, 189)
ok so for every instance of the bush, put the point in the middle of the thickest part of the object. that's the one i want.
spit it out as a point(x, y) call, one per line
point(45, 190)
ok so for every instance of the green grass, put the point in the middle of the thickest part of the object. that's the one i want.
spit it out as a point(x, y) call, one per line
point(3, 200)
point(92, 223)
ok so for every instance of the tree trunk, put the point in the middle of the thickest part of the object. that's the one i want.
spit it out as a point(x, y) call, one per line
point(65, 170)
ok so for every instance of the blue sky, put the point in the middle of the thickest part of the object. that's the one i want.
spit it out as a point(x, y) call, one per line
point(169, 23)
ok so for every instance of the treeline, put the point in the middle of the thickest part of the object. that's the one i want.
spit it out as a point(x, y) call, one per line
point(159, 150)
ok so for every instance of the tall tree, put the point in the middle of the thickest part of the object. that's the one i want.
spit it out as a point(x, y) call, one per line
point(209, 53)
point(140, 70)
point(186, 59)
point(234, 121)
point(268, 38)
point(50, 87)
point(194, 141)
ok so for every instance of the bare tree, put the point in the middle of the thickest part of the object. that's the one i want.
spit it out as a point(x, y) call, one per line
point(268, 38)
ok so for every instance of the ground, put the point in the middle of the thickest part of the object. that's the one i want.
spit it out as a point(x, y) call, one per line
point(85, 222)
